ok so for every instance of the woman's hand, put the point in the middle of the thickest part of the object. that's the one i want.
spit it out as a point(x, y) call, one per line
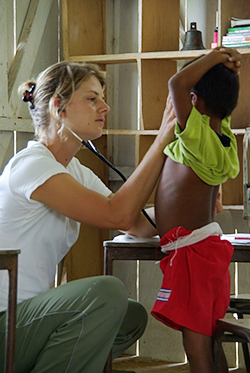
point(218, 206)
point(166, 131)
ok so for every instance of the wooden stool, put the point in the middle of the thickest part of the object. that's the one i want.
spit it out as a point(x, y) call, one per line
point(127, 251)
point(240, 305)
point(8, 260)
point(232, 331)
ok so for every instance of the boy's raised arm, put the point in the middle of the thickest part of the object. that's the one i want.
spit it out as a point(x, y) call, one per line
point(181, 83)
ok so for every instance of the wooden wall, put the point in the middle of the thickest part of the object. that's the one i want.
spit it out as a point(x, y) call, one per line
point(29, 43)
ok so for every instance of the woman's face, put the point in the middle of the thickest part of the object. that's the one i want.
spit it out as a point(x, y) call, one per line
point(86, 112)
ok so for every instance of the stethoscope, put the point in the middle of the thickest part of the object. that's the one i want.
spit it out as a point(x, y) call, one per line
point(89, 145)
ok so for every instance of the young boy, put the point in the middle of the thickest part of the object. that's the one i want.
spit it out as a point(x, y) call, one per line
point(196, 285)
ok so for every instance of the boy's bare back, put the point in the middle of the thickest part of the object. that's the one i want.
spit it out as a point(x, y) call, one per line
point(184, 199)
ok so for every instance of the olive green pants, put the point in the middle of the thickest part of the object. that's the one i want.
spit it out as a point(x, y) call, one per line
point(73, 327)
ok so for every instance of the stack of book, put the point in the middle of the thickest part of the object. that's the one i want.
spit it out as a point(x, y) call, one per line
point(238, 35)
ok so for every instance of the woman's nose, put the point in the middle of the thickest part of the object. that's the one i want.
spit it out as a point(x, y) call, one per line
point(105, 108)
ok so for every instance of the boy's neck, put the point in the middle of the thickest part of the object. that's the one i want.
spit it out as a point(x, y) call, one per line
point(215, 124)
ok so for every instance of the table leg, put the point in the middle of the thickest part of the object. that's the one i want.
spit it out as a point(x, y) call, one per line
point(11, 319)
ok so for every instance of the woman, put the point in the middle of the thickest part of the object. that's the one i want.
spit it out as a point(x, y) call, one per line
point(45, 193)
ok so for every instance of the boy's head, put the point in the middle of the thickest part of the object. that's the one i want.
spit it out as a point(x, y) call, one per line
point(219, 89)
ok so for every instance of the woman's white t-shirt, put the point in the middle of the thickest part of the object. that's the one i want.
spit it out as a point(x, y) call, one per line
point(43, 235)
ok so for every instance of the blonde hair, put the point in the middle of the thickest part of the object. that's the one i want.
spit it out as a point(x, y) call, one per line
point(57, 81)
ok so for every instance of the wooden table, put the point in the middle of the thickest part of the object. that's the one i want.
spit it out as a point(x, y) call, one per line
point(151, 251)
point(241, 253)
point(115, 250)
point(129, 251)
point(9, 260)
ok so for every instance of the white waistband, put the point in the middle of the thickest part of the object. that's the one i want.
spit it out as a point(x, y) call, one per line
point(211, 229)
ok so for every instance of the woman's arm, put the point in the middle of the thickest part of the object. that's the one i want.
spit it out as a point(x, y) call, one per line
point(67, 196)
point(142, 227)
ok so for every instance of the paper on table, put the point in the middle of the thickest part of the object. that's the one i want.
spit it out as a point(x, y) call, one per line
point(237, 238)
point(131, 238)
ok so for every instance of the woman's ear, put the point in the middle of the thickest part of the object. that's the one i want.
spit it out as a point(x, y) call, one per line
point(56, 107)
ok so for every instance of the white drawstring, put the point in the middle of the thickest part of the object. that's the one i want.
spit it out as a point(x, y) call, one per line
point(175, 246)
point(212, 229)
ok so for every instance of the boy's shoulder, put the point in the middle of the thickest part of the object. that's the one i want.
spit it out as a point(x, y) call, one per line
point(199, 125)
point(199, 147)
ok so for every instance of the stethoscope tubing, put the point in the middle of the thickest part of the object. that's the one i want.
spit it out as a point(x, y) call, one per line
point(93, 149)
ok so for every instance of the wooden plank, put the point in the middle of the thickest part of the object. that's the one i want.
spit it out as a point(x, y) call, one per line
point(20, 14)
point(236, 131)
point(160, 25)
point(6, 148)
point(4, 48)
point(155, 76)
point(241, 115)
point(23, 64)
point(134, 57)
point(65, 28)
point(84, 31)
point(16, 124)
point(9, 37)
point(25, 125)
point(27, 26)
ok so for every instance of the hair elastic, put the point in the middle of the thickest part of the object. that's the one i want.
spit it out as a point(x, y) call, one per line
point(28, 96)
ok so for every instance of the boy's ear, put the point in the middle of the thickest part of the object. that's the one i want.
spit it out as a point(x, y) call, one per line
point(194, 98)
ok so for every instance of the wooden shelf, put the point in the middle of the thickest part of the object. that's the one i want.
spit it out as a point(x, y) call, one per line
point(134, 57)
point(234, 207)
point(129, 132)
point(238, 131)
point(25, 125)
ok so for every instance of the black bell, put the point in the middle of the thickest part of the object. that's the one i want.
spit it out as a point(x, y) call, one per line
point(193, 39)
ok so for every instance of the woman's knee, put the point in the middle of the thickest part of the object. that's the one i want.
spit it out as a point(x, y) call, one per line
point(113, 292)
point(134, 323)
point(136, 315)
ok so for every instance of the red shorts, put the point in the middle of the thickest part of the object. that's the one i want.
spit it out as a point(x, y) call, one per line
point(195, 290)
